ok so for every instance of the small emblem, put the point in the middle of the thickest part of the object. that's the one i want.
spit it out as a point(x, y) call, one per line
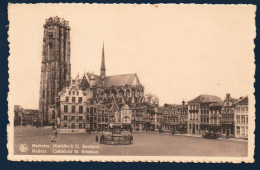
point(23, 148)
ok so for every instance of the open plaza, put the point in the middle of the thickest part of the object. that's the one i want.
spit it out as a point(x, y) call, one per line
point(39, 141)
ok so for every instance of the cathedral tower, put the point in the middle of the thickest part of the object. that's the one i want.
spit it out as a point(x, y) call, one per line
point(55, 66)
point(103, 67)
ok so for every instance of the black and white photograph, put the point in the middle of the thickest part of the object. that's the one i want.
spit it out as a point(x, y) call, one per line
point(131, 82)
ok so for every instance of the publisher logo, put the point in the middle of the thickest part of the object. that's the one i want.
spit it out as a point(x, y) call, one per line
point(23, 148)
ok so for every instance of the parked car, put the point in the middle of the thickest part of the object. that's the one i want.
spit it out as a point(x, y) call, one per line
point(210, 135)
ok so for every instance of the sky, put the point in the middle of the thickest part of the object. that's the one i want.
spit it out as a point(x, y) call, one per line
point(177, 51)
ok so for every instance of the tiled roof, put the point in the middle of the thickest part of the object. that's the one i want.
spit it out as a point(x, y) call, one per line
point(206, 99)
point(216, 104)
point(243, 101)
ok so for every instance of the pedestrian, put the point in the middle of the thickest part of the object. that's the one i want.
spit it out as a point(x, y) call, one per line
point(52, 138)
point(96, 138)
point(56, 133)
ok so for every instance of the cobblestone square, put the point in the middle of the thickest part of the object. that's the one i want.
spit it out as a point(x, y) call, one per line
point(145, 144)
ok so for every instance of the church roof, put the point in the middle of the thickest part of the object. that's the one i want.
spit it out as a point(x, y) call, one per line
point(206, 99)
point(121, 80)
point(116, 80)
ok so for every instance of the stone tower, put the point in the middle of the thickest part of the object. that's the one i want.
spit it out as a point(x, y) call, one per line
point(103, 67)
point(55, 66)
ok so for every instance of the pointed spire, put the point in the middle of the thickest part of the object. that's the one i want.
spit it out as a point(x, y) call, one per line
point(103, 67)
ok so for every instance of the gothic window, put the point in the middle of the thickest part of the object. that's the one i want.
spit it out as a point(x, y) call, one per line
point(53, 114)
point(43, 94)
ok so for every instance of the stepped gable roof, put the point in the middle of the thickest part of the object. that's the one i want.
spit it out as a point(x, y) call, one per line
point(97, 78)
point(206, 99)
point(233, 100)
point(242, 101)
point(121, 80)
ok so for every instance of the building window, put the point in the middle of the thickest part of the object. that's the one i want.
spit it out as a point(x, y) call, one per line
point(238, 119)
point(243, 131)
point(190, 126)
point(80, 117)
point(242, 119)
point(77, 93)
point(65, 117)
point(238, 109)
point(67, 99)
point(87, 110)
point(95, 110)
point(80, 109)
point(73, 92)
point(65, 108)
point(65, 125)
point(72, 117)
point(69, 92)
point(72, 125)
point(246, 109)
point(73, 99)
point(242, 109)
point(80, 100)
point(80, 126)
point(197, 127)
point(238, 130)
point(246, 119)
point(73, 109)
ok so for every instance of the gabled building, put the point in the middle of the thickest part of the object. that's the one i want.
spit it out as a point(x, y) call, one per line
point(183, 117)
point(227, 115)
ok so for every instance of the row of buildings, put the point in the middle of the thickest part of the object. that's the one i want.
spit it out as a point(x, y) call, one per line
point(210, 113)
point(96, 102)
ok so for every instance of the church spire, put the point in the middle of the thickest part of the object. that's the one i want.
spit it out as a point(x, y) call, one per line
point(103, 67)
